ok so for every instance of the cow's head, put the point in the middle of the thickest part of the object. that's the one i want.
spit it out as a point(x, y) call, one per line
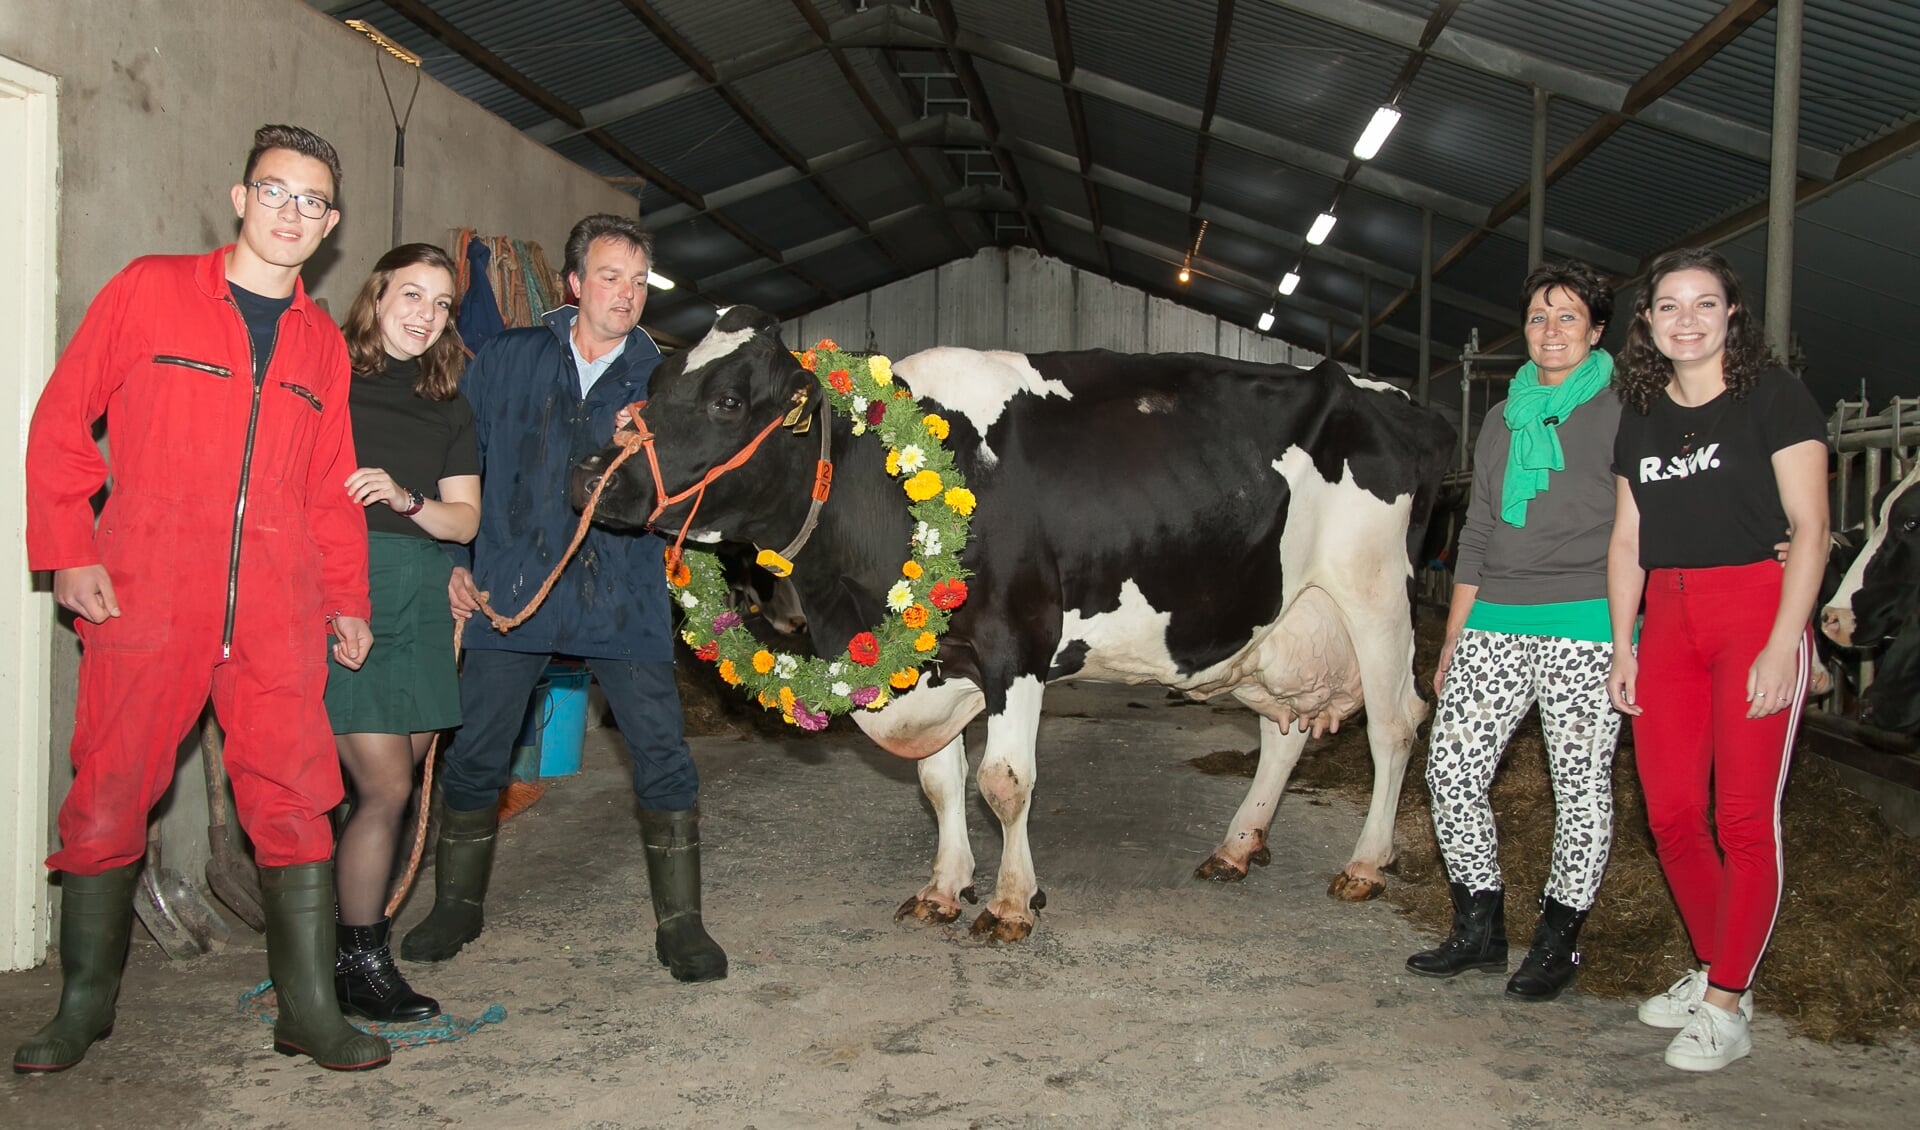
point(737, 397)
point(1882, 588)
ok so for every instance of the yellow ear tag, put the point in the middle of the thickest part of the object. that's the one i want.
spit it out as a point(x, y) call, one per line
point(774, 563)
point(792, 419)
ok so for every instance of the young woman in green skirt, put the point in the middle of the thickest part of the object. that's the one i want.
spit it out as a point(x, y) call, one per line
point(419, 480)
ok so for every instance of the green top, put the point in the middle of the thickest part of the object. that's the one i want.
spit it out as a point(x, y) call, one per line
point(1568, 619)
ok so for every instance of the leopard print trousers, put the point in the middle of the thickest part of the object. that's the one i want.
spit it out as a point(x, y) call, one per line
point(1494, 678)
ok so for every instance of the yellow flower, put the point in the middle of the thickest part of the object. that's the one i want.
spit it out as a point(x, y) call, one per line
point(692, 641)
point(879, 701)
point(911, 571)
point(881, 368)
point(893, 462)
point(786, 700)
point(765, 700)
point(925, 641)
point(763, 661)
point(923, 486)
point(937, 426)
point(960, 500)
point(903, 678)
point(728, 675)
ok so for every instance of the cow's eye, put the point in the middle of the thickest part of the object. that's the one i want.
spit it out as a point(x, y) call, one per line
point(728, 404)
point(1908, 525)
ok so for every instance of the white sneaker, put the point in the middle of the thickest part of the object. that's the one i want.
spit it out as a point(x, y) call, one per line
point(1674, 1008)
point(1712, 1039)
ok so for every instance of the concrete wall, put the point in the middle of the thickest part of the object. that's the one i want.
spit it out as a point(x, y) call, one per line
point(157, 106)
point(1021, 300)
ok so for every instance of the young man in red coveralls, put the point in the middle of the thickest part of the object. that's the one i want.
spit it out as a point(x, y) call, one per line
point(226, 555)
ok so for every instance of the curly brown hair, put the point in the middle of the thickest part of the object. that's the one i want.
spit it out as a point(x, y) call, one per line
point(444, 360)
point(1643, 372)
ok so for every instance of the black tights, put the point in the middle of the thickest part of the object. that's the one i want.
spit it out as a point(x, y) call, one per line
point(381, 767)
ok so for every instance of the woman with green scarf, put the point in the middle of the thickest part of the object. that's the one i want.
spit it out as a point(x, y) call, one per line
point(1528, 624)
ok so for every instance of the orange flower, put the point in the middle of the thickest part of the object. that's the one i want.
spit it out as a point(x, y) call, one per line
point(808, 361)
point(786, 700)
point(911, 570)
point(766, 700)
point(925, 641)
point(915, 617)
point(728, 675)
point(679, 575)
point(827, 345)
point(763, 661)
point(904, 678)
point(841, 381)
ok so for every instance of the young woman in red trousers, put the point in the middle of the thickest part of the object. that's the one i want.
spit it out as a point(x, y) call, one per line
point(1720, 450)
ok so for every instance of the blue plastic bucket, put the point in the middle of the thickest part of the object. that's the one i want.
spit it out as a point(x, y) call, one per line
point(563, 735)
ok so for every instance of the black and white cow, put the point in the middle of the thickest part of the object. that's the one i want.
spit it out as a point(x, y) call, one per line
point(1878, 604)
point(1214, 526)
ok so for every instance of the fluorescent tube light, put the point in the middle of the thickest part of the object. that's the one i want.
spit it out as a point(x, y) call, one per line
point(658, 281)
point(1266, 321)
point(1375, 135)
point(1322, 227)
point(1288, 284)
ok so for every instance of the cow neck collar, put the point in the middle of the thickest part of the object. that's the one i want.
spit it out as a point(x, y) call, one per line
point(780, 562)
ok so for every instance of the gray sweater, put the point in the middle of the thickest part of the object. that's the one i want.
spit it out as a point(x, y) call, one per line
point(1561, 553)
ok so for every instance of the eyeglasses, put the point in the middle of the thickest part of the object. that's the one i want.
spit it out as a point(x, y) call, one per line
point(274, 197)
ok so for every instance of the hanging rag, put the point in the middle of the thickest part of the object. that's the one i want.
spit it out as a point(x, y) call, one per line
point(479, 319)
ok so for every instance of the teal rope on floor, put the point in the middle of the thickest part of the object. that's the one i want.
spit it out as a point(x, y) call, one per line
point(442, 1029)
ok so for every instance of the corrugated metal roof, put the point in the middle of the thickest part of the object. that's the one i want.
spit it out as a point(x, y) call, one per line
point(1300, 83)
point(1164, 48)
point(1860, 69)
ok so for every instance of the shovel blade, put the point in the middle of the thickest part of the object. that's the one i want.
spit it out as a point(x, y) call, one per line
point(176, 914)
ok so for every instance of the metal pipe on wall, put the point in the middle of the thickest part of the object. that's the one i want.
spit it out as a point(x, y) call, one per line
point(1366, 325)
point(1783, 179)
point(1537, 183)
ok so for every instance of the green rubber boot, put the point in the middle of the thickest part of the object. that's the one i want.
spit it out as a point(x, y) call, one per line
point(300, 955)
point(680, 940)
point(96, 917)
point(462, 861)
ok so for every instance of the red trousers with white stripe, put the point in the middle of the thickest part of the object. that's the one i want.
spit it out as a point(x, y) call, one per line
point(1712, 776)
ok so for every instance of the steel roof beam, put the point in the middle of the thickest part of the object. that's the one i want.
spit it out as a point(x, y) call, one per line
point(1610, 95)
point(824, 32)
point(951, 33)
point(1077, 113)
point(670, 37)
point(1216, 68)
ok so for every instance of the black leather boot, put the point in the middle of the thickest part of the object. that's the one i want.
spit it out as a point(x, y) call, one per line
point(96, 917)
point(462, 861)
point(300, 953)
point(680, 941)
point(1555, 957)
point(1478, 940)
point(367, 982)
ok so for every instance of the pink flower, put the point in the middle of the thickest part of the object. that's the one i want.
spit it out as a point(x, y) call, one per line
point(807, 719)
point(863, 695)
point(726, 620)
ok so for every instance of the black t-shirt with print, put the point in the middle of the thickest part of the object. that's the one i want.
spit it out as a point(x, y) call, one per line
point(1703, 477)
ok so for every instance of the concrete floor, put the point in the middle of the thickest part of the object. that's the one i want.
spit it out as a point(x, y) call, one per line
point(1144, 998)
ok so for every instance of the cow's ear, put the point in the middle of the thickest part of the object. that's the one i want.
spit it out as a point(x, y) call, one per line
point(803, 404)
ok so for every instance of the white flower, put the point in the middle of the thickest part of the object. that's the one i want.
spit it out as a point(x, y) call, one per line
point(931, 543)
point(688, 600)
point(900, 596)
point(835, 668)
point(785, 666)
point(912, 458)
point(860, 406)
point(841, 689)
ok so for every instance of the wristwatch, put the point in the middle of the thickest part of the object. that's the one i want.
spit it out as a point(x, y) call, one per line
point(417, 501)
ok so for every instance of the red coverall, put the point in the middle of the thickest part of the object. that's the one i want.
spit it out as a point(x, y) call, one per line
point(230, 541)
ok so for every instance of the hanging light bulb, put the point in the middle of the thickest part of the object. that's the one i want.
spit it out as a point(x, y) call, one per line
point(1266, 320)
point(1288, 284)
point(1322, 227)
point(1186, 274)
point(1375, 135)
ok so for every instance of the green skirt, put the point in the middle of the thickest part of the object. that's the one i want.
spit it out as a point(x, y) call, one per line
point(408, 684)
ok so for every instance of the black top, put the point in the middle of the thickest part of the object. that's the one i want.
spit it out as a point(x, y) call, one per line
point(418, 442)
point(262, 316)
point(1703, 477)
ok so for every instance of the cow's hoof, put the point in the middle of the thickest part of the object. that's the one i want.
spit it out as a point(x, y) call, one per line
point(1349, 887)
point(972, 896)
point(994, 928)
point(1219, 869)
point(923, 909)
point(1038, 901)
point(1261, 856)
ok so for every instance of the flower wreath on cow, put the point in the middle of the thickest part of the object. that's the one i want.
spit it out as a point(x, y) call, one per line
point(886, 659)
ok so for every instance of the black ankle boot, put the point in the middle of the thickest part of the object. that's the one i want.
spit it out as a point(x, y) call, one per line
point(672, 844)
point(1550, 965)
point(1478, 940)
point(369, 984)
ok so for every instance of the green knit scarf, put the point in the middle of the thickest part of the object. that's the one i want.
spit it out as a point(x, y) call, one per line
point(1533, 412)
